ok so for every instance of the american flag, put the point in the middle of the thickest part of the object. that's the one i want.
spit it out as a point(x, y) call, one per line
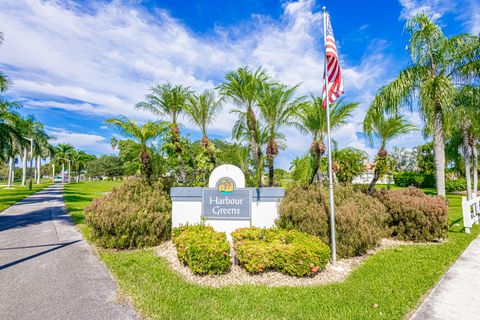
point(335, 82)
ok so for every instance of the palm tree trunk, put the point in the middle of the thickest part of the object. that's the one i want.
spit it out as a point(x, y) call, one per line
point(63, 171)
point(24, 166)
point(439, 153)
point(466, 161)
point(53, 172)
point(475, 167)
point(35, 171)
point(271, 172)
point(146, 164)
point(10, 164)
point(39, 169)
point(69, 171)
point(376, 176)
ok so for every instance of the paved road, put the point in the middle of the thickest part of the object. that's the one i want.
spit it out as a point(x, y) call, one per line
point(457, 295)
point(47, 270)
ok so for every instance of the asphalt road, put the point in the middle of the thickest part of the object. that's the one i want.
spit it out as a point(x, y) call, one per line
point(47, 270)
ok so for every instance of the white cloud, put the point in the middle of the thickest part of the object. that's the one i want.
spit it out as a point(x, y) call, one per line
point(106, 60)
point(434, 8)
point(88, 142)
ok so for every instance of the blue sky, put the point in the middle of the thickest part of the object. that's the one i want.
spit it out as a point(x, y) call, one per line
point(76, 63)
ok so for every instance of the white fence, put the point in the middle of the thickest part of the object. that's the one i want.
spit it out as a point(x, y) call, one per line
point(470, 209)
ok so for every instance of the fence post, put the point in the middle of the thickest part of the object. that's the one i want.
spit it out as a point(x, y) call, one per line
point(467, 215)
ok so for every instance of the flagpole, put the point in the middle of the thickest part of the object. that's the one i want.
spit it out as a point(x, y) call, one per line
point(329, 147)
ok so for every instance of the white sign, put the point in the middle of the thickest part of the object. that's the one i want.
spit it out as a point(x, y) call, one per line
point(226, 204)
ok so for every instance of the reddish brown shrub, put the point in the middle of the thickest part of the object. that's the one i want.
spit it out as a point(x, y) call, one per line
point(136, 214)
point(359, 219)
point(414, 215)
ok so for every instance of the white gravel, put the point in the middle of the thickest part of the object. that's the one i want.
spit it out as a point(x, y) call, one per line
point(238, 276)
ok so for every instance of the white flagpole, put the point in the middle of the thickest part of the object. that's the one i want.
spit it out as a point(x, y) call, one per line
point(329, 149)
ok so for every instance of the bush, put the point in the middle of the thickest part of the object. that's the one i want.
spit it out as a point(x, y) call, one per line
point(359, 219)
point(133, 215)
point(414, 215)
point(286, 251)
point(456, 185)
point(407, 179)
point(202, 249)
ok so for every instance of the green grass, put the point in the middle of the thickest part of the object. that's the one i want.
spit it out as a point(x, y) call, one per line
point(78, 195)
point(17, 193)
point(395, 279)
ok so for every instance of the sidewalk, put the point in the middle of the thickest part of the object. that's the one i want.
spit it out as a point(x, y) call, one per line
point(457, 295)
point(47, 270)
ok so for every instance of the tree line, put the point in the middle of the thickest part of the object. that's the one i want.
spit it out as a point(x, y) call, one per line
point(441, 82)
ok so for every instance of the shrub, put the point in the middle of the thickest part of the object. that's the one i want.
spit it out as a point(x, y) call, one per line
point(134, 214)
point(202, 249)
point(359, 219)
point(414, 215)
point(455, 185)
point(287, 251)
point(407, 179)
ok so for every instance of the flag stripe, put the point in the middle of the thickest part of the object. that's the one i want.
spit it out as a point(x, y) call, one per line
point(333, 70)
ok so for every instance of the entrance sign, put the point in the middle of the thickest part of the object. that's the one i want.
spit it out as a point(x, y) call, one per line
point(226, 201)
point(226, 204)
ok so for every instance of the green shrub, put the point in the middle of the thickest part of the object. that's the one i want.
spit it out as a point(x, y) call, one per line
point(359, 219)
point(202, 249)
point(407, 179)
point(414, 215)
point(455, 185)
point(133, 215)
point(286, 251)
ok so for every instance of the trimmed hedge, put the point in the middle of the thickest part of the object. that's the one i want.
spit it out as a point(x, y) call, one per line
point(202, 249)
point(359, 219)
point(407, 179)
point(455, 185)
point(286, 251)
point(135, 214)
point(414, 215)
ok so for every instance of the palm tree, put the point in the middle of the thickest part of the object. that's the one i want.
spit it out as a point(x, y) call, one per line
point(3, 78)
point(467, 121)
point(167, 101)
point(242, 87)
point(143, 135)
point(62, 154)
point(438, 64)
point(113, 143)
point(277, 107)
point(11, 139)
point(311, 119)
point(203, 110)
point(379, 127)
point(79, 160)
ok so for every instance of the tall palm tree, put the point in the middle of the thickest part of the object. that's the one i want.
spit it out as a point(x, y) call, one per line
point(242, 87)
point(277, 107)
point(62, 154)
point(113, 143)
point(143, 135)
point(311, 119)
point(438, 64)
point(467, 121)
point(167, 101)
point(202, 110)
point(382, 128)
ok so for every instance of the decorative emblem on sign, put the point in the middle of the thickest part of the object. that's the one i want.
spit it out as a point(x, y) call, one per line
point(225, 185)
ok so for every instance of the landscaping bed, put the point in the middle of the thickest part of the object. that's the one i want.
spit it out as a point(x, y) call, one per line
point(387, 284)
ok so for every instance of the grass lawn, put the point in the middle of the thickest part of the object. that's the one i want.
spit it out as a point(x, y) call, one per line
point(395, 279)
point(17, 193)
